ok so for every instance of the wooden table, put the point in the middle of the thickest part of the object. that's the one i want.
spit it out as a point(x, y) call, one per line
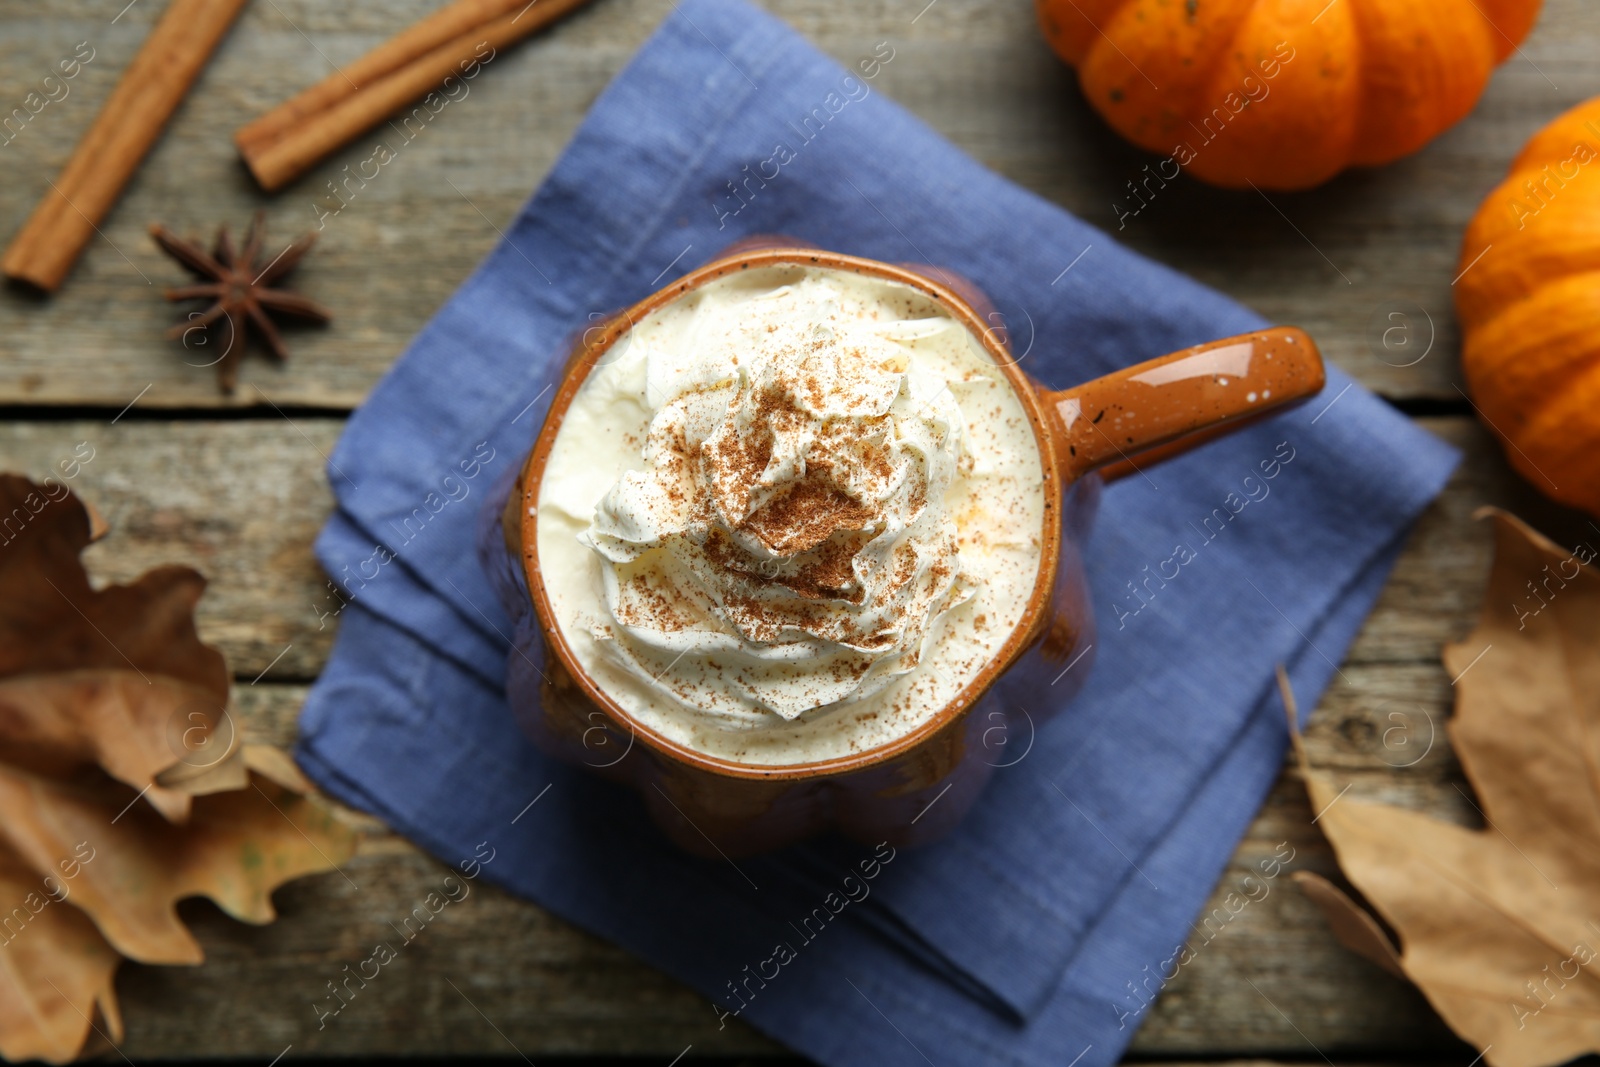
point(236, 487)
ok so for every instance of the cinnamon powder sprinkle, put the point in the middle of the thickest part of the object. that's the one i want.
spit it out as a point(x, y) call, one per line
point(786, 506)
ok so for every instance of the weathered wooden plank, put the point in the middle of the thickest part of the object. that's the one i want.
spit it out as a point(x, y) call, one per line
point(242, 500)
point(976, 72)
point(543, 987)
point(551, 989)
point(1272, 979)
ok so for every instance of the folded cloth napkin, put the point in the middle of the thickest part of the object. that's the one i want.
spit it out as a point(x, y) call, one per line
point(1033, 935)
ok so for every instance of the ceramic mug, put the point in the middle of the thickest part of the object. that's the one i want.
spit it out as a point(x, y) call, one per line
point(918, 786)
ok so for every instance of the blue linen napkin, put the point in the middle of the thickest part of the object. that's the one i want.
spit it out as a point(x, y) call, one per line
point(1030, 936)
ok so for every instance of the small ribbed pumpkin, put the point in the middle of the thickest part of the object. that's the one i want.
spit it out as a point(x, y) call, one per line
point(1283, 93)
point(1529, 306)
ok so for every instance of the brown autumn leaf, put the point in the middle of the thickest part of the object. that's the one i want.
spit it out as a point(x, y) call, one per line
point(1500, 926)
point(125, 785)
point(1352, 924)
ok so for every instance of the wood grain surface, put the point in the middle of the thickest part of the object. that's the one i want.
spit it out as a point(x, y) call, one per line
point(1336, 260)
point(242, 499)
point(236, 486)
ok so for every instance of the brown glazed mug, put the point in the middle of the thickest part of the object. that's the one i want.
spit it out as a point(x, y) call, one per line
point(918, 786)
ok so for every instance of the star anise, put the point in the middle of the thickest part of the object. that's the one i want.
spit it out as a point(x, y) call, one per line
point(240, 291)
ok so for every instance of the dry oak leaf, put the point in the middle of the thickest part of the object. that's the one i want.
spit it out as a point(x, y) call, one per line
point(124, 783)
point(1498, 927)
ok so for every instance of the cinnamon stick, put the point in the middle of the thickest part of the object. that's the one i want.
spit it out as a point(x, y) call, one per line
point(287, 141)
point(128, 124)
point(406, 47)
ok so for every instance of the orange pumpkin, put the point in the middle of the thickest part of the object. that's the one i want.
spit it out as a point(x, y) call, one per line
point(1529, 304)
point(1283, 94)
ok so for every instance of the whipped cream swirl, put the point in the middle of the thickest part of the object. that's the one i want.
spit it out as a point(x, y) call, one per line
point(787, 545)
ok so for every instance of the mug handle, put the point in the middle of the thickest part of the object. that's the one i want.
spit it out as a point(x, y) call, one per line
point(1129, 420)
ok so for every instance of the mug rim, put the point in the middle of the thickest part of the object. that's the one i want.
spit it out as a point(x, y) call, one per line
point(582, 363)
